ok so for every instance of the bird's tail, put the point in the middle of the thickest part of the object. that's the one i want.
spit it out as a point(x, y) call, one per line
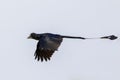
point(111, 37)
point(73, 37)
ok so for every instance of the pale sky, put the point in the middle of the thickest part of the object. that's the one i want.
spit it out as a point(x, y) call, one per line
point(75, 59)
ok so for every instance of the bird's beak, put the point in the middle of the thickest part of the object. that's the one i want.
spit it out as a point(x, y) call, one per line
point(29, 37)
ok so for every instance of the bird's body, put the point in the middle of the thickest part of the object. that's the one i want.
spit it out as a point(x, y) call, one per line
point(48, 43)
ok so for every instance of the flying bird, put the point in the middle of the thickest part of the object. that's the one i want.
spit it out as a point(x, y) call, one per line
point(48, 43)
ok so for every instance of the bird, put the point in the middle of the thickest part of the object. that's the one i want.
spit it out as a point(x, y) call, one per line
point(48, 43)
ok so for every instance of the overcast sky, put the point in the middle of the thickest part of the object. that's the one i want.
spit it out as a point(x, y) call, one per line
point(75, 59)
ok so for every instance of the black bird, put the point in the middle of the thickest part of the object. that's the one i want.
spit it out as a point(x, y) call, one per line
point(48, 43)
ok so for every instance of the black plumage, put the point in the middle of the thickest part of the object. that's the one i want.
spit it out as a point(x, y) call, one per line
point(48, 43)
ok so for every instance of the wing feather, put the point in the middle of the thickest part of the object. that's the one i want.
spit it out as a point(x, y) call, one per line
point(46, 46)
point(43, 54)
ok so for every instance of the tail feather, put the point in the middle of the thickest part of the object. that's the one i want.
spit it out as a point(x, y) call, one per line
point(73, 37)
point(111, 37)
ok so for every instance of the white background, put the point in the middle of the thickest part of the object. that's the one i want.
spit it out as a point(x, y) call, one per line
point(76, 59)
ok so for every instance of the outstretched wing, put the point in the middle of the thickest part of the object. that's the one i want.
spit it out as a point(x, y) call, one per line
point(46, 46)
point(42, 54)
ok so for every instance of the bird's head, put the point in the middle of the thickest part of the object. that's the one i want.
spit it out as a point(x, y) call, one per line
point(34, 36)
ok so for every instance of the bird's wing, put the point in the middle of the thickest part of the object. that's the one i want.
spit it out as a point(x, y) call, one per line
point(46, 47)
point(42, 54)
